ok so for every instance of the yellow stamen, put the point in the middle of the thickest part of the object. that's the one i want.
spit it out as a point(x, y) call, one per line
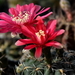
point(21, 18)
point(40, 33)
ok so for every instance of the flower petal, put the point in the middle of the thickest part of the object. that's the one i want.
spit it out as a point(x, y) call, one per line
point(46, 15)
point(4, 30)
point(40, 24)
point(38, 52)
point(42, 11)
point(5, 17)
point(30, 47)
point(55, 34)
point(37, 8)
point(30, 6)
point(26, 31)
point(18, 7)
point(59, 32)
point(51, 26)
point(13, 11)
point(19, 43)
point(23, 42)
point(54, 44)
point(3, 23)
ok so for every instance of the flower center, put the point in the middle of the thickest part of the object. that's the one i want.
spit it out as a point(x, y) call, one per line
point(40, 33)
point(21, 18)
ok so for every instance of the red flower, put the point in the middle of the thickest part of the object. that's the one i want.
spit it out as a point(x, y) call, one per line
point(21, 15)
point(40, 36)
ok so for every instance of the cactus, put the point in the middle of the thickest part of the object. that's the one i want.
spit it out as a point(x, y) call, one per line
point(32, 66)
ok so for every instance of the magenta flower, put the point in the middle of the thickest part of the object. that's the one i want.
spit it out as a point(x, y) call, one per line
point(21, 15)
point(40, 36)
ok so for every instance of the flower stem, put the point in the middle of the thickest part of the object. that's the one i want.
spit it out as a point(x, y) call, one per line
point(47, 54)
